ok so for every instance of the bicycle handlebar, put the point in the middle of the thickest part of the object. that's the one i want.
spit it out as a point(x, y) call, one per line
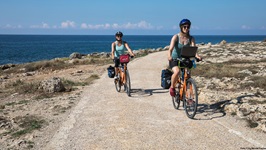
point(130, 56)
point(198, 60)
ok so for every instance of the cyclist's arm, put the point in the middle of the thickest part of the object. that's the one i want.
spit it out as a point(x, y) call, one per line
point(171, 47)
point(113, 50)
point(129, 49)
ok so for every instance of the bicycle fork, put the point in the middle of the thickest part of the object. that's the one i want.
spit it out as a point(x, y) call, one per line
point(123, 74)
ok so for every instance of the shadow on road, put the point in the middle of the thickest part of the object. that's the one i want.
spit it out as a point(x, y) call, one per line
point(211, 111)
point(216, 110)
point(147, 92)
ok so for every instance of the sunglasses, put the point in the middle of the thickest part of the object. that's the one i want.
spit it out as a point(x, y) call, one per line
point(186, 27)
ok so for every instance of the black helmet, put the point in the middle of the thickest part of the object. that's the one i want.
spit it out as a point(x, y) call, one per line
point(119, 33)
point(184, 21)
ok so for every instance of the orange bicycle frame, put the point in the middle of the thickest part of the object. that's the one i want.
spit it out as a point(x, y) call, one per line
point(123, 74)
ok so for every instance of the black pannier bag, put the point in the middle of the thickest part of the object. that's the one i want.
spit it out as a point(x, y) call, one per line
point(166, 78)
point(111, 72)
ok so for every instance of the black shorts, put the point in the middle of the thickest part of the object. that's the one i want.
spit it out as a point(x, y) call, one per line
point(173, 63)
point(117, 61)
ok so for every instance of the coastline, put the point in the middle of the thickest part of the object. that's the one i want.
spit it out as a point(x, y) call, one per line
point(30, 48)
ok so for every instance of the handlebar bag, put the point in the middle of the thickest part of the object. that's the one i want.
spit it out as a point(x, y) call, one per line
point(124, 58)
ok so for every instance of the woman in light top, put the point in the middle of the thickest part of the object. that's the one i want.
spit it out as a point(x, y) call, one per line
point(119, 47)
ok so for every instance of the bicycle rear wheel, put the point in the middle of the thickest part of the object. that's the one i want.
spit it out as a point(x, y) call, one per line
point(128, 84)
point(176, 101)
point(118, 85)
point(191, 98)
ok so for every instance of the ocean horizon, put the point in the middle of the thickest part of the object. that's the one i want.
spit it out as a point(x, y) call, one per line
point(17, 49)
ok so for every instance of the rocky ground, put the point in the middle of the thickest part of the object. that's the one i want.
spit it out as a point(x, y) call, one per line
point(231, 80)
point(238, 85)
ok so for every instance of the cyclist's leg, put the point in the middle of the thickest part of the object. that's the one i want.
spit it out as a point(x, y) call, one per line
point(174, 77)
point(117, 62)
point(175, 69)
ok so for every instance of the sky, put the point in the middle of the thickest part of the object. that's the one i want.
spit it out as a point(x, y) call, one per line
point(135, 17)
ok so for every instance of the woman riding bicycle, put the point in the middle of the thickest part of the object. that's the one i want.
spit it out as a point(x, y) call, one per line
point(119, 47)
point(183, 38)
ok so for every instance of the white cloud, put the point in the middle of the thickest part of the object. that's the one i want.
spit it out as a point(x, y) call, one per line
point(71, 24)
point(98, 26)
point(245, 27)
point(68, 24)
point(263, 28)
point(42, 26)
point(115, 26)
point(8, 26)
point(195, 27)
point(139, 25)
point(175, 27)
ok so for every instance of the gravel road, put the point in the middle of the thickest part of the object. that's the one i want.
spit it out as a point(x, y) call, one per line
point(106, 119)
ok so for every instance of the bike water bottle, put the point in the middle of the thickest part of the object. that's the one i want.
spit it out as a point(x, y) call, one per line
point(194, 63)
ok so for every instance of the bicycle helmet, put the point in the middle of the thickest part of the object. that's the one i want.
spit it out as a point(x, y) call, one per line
point(184, 21)
point(119, 33)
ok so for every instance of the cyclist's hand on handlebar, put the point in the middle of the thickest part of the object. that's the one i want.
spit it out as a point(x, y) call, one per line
point(198, 59)
point(132, 55)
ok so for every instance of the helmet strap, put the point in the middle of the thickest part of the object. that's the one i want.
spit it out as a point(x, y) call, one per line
point(185, 34)
point(118, 40)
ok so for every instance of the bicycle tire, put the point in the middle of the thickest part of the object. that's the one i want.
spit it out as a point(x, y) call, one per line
point(128, 84)
point(190, 98)
point(118, 85)
point(176, 101)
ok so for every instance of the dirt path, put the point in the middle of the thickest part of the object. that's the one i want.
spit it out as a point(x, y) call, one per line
point(106, 119)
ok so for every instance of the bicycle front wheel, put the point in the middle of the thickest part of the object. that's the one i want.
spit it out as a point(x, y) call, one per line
point(118, 85)
point(128, 84)
point(176, 98)
point(191, 98)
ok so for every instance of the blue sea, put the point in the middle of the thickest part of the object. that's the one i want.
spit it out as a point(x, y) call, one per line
point(17, 49)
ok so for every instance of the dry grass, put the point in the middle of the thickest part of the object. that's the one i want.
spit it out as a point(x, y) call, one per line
point(27, 124)
point(56, 64)
point(258, 81)
point(252, 124)
point(22, 87)
point(69, 85)
point(231, 69)
point(218, 70)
